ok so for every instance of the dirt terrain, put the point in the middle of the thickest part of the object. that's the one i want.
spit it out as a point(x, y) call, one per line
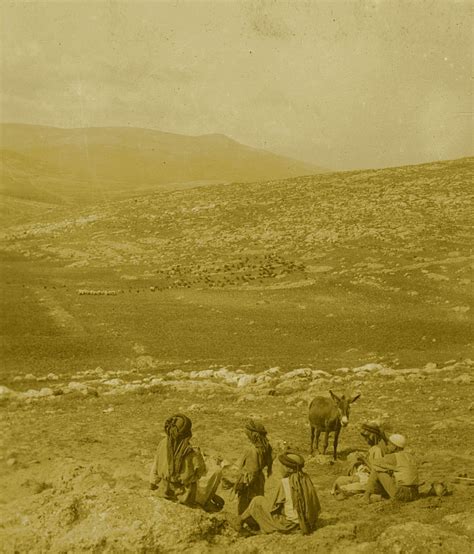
point(229, 302)
point(77, 451)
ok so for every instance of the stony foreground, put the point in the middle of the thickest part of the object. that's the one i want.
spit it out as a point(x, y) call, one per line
point(77, 451)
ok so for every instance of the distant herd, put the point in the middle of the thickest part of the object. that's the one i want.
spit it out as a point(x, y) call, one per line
point(97, 292)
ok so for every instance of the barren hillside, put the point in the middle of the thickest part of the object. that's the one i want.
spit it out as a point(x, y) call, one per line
point(229, 302)
point(353, 266)
point(86, 164)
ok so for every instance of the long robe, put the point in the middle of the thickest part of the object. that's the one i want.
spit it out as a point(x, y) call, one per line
point(251, 481)
point(279, 513)
point(184, 486)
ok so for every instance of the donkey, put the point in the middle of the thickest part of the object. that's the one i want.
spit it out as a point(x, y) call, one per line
point(329, 415)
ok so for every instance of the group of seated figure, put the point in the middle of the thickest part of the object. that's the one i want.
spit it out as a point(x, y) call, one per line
point(385, 471)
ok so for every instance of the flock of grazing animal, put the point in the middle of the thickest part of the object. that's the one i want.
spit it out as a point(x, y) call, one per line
point(230, 273)
point(82, 292)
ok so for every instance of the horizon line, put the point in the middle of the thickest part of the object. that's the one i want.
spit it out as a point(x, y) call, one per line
point(155, 130)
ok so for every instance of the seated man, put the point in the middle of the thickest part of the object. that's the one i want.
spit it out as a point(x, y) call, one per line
point(355, 482)
point(396, 474)
point(295, 504)
point(178, 467)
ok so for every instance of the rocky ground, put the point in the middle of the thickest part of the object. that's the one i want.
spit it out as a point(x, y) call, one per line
point(229, 302)
point(361, 227)
point(76, 452)
point(331, 269)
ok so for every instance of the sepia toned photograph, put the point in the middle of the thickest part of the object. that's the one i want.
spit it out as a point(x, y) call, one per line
point(236, 277)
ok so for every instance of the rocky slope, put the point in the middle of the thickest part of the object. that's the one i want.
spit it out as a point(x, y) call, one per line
point(76, 455)
point(364, 227)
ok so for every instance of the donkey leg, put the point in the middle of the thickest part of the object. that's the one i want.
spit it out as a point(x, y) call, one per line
point(318, 434)
point(336, 440)
point(311, 447)
point(326, 441)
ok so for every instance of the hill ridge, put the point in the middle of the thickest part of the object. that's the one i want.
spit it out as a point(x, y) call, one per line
point(101, 162)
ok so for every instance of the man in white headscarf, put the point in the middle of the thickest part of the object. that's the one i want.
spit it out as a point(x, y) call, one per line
point(396, 474)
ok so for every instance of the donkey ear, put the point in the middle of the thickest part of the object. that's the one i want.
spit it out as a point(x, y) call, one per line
point(334, 396)
point(356, 397)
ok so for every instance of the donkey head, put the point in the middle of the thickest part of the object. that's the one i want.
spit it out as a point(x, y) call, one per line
point(343, 405)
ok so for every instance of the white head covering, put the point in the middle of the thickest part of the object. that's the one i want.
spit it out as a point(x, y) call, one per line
point(398, 440)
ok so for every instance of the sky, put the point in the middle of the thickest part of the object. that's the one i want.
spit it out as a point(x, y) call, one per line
point(343, 85)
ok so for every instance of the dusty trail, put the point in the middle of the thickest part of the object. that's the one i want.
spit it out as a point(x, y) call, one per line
point(59, 315)
point(431, 263)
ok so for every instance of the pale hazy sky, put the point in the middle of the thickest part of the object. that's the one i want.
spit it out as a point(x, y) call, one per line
point(341, 84)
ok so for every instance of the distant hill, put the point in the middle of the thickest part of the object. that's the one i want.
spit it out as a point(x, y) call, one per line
point(85, 164)
point(26, 178)
point(29, 179)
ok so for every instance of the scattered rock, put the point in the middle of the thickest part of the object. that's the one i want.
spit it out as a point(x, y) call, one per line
point(463, 379)
point(319, 373)
point(461, 309)
point(437, 277)
point(343, 370)
point(247, 398)
point(415, 376)
point(177, 374)
point(463, 521)
point(31, 393)
point(262, 379)
point(291, 387)
point(273, 371)
point(5, 392)
point(196, 407)
point(369, 368)
point(387, 372)
point(80, 388)
point(304, 372)
point(110, 382)
point(418, 538)
point(246, 380)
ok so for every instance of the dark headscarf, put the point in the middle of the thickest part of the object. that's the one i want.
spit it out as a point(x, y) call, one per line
point(178, 431)
point(376, 430)
point(292, 460)
point(257, 435)
point(304, 496)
